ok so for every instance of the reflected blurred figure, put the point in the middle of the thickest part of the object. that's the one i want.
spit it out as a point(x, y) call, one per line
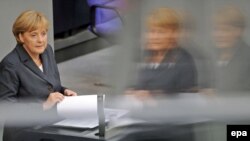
point(232, 65)
point(167, 68)
point(197, 51)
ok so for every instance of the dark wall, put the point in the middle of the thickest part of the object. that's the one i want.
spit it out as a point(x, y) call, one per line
point(69, 14)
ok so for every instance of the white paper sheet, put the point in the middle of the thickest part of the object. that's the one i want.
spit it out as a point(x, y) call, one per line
point(79, 123)
point(110, 114)
point(84, 106)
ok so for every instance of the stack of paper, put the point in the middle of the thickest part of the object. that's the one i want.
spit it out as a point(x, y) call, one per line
point(81, 112)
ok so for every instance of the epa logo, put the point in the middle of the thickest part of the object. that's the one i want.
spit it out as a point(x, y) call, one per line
point(238, 133)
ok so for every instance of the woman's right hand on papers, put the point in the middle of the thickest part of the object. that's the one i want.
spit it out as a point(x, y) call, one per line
point(53, 98)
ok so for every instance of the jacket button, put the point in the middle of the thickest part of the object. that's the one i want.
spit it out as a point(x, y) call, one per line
point(50, 89)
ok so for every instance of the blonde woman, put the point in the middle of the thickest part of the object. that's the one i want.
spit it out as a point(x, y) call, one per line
point(167, 68)
point(29, 73)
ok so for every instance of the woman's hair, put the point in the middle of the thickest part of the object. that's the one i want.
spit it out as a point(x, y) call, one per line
point(230, 15)
point(29, 21)
point(164, 17)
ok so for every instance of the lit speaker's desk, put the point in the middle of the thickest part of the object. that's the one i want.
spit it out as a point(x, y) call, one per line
point(49, 133)
point(131, 133)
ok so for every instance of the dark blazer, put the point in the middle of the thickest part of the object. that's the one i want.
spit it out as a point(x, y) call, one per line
point(232, 75)
point(176, 73)
point(21, 81)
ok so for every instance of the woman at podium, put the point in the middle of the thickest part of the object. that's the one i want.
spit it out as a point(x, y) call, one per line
point(28, 74)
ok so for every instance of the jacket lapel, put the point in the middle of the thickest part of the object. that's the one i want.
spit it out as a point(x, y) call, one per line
point(29, 63)
point(167, 65)
point(45, 61)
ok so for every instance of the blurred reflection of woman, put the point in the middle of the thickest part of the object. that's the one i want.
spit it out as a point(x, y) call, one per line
point(167, 68)
point(231, 64)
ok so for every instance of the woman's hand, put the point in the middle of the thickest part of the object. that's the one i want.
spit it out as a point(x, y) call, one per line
point(139, 94)
point(69, 92)
point(53, 98)
point(144, 96)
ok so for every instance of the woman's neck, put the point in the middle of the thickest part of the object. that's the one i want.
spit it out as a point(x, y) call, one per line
point(37, 60)
point(35, 57)
point(157, 56)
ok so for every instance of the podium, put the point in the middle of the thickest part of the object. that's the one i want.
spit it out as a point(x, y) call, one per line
point(53, 133)
point(50, 133)
point(132, 132)
point(142, 132)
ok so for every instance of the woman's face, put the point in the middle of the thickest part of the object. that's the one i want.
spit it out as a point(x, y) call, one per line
point(160, 38)
point(226, 35)
point(35, 42)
